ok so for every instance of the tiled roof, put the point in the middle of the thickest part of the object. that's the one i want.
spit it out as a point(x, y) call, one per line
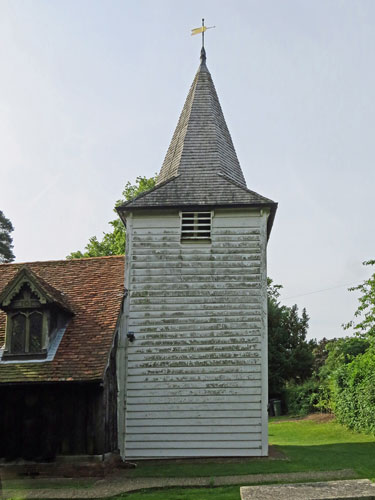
point(92, 288)
point(52, 295)
point(201, 165)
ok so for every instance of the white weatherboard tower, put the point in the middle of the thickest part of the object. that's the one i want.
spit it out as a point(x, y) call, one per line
point(193, 355)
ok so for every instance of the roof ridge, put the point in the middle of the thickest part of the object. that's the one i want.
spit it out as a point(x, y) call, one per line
point(53, 261)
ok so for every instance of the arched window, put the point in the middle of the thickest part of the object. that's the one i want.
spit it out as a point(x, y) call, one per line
point(26, 332)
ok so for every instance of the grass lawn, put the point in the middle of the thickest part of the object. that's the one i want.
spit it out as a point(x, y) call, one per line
point(309, 445)
point(312, 444)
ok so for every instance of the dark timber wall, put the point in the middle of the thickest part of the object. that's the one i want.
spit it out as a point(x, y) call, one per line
point(40, 421)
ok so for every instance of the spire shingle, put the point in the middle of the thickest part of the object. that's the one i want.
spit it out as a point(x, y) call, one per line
point(201, 144)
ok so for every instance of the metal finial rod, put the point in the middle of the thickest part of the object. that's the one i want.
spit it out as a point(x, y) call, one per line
point(196, 31)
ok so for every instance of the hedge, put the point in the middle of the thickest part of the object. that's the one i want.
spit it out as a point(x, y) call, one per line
point(353, 393)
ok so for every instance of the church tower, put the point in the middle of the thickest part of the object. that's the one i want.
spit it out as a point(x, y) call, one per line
point(193, 354)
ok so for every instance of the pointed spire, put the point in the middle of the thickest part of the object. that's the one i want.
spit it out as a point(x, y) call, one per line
point(201, 145)
point(201, 166)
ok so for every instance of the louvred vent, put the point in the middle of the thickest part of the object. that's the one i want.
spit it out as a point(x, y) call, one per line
point(196, 225)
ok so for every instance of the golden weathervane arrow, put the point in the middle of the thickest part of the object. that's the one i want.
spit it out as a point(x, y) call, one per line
point(202, 29)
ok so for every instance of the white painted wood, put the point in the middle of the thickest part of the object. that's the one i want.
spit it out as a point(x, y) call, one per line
point(207, 378)
point(121, 355)
point(198, 430)
point(202, 436)
point(185, 453)
point(264, 331)
point(194, 372)
point(198, 406)
point(192, 444)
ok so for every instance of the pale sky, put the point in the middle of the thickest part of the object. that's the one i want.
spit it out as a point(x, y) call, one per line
point(91, 91)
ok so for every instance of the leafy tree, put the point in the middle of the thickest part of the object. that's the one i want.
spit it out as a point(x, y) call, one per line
point(320, 353)
point(113, 242)
point(366, 308)
point(290, 355)
point(6, 241)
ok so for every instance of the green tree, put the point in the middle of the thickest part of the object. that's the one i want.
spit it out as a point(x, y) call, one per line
point(6, 241)
point(366, 309)
point(290, 357)
point(113, 242)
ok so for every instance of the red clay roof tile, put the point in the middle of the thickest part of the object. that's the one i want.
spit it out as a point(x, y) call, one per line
point(94, 289)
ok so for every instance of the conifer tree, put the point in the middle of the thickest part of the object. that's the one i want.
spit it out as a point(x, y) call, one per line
point(6, 241)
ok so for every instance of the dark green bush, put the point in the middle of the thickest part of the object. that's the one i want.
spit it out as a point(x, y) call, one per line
point(302, 399)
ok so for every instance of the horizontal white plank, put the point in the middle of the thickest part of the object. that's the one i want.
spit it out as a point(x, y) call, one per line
point(194, 280)
point(195, 429)
point(191, 421)
point(188, 445)
point(220, 376)
point(247, 273)
point(190, 370)
point(185, 254)
point(223, 292)
point(177, 399)
point(199, 303)
point(131, 454)
point(192, 363)
point(204, 357)
point(252, 321)
point(192, 344)
point(203, 286)
point(142, 348)
point(169, 244)
point(162, 311)
point(205, 336)
point(133, 415)
point(196, 300)
point(244, 262)
point(159, 252)
point(193, 436)
point(184, 407)
point(152, 387)
point(208, 327)
point(197, 394)
point(236, 230)
point(187, 258)
point(154, 223)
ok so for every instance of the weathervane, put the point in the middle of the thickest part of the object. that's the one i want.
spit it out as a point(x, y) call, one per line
point(204, 28)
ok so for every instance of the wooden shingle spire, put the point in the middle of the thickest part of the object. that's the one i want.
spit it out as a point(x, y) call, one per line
point(201, 144)
point(201, 167)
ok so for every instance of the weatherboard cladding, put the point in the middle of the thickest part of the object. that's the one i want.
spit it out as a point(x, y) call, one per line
point(93, 290)
point(194, 381)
